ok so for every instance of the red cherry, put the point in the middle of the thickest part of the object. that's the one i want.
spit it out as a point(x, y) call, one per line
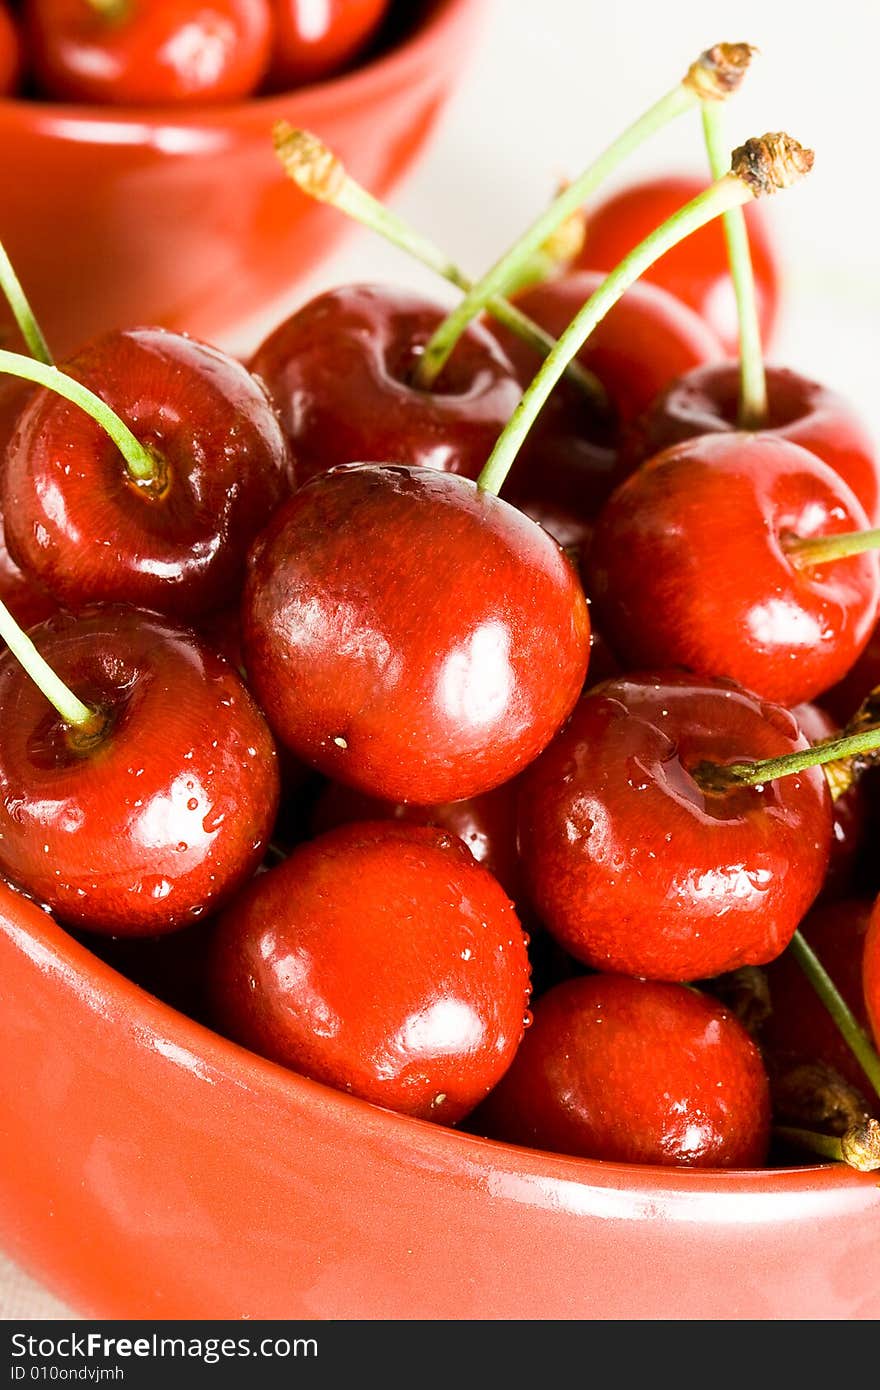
point(850, 809)
point(410, 635)
point(313, 41)
point(382, 960)
point(10, 54)
point(157, 816)
point(689, 567)
point(799, 1028)
point(339, 372)
point(696, 271)
point(871, 972)
point(646, 341)
point(139, 53)
point(78, 523)
point(26, 600)
point(635, 867)
point(486, 824)
point(630, 1071)
point(705, 401)
point(844, 699)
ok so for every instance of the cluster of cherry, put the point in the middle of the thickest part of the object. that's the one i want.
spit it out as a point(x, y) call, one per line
point(658, 805)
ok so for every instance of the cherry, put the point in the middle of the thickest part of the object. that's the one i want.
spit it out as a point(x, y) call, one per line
point(850, 811)
point(631, 1071)
point(705, 400)
point(636, 865)
point(410, 634)
point(799, 1028)
point(486, 824)
point(844, 698)
point(10, 54)
point(313, 41)
point(701, 559)
point(871, 972)
point(379, 959)
point(139, 53)
point(157, 805)
point(340, 373)
point(81, 521)
point(697, 272)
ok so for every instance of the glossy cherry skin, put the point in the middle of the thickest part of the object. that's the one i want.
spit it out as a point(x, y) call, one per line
point(850, 809)
point(160, 815)
point(705, 401)
point(27, 601)
point(487, 824)
point(339, 373)
point(631, 1071)
point(175, 53)
point(411, 636)
point(10, 54)
point(79, 525)
point(314, 41)
point(688, 567)
point(696, 272)
point(800, 1028)
point(634, 867)
point(871, 973)
point(379, 959)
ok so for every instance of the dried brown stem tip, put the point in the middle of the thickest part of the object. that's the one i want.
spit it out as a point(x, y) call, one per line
point(770, 162)
point(815, 1096)
point(307, 160)
point(718, 72)
point(843, 774)
point(860, 1146)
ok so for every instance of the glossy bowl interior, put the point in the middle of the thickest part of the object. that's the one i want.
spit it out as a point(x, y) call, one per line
point(149, 1168)
point(183, 218)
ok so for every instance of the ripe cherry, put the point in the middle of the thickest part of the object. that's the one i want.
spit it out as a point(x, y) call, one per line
point(636, 865)
point(79, 522)
point(154, 811)
point(139, 53)
point(10, 54)
point(844, 698)
point(339, 372)
point(850, 809)
point(705, 401)
point(411, 635)
point(630, 1071)
point(697, 271)
point(696, 561)
point(313, 41)
point(379, 959)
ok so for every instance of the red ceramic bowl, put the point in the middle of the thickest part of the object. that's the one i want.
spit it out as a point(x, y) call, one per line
point(184, 218)
point(149, 1168)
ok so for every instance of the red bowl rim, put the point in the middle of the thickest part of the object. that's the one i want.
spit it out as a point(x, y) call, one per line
point(37, 935)
point(387, 65)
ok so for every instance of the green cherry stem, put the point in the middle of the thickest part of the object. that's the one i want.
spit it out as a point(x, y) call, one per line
point(723, 777)
point(22, 311)
point(819, 550)
point(752, 377)
point(71, 709)
point(859, 1147)
point(842, 1016)
point(141, 464)
point(713, 76)
point(318, 172)
point(759, 167)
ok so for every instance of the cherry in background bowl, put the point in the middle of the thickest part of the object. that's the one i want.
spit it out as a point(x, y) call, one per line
point(183, 218)
point(149, 1168)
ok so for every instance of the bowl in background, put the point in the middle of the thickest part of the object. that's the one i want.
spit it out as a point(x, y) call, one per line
point(151, 1169)
point(183, 217)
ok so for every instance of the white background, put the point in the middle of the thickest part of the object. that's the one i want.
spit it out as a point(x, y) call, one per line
point(553, 81)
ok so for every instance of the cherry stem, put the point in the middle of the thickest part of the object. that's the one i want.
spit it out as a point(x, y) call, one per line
point(508, 269)
point(841, 1014)
point(71, 709)
point(22, 311)
point(858, 1148)
point(805, 552)
point(320, 174)
point(723, 777)
point(139, 461)
point(730, 191)
point(752, 377)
